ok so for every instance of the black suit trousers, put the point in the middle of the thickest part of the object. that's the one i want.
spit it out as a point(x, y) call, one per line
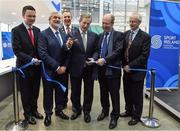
point(48, 91)
point(88, 92)
point(29, 89)
point(109, 85)
point(133, 93)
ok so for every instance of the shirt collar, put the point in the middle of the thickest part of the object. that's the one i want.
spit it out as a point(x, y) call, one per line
point(53, 30)
point(82, 31)
point(65, 27)
point(27, 27)
point(135, 31)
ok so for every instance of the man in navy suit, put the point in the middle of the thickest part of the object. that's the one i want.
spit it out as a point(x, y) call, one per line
point(110, 53)
point(80, 69)
point(67, 28)
point(136, 53)
point(67, 21)
point(53, 52)
point(24, 42)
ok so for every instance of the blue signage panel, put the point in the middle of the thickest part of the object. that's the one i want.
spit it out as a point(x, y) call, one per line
point(7, 46)
point(165, 32)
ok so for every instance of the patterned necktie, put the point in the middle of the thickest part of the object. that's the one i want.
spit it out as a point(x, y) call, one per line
point(31, 35)
point(129, 44)
point(68, 30)
point(58, 38)
point(104, 46)
point(84, 40)
point(131, 37)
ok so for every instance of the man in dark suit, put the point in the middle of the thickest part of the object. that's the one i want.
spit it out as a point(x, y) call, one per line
point(67, 28)
point(136, 53)
point(110, 52)
point(24, 42)
point(80, 69)
point(54, 53)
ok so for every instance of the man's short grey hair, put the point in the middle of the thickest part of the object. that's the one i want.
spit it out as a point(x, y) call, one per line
point(139, 17)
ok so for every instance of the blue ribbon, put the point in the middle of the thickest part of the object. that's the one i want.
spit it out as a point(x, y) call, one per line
point(23, 67)
point(48, 78)
point(131, 69)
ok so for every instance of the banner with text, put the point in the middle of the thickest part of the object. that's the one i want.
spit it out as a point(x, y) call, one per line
point(165, 32)
point(7, 46)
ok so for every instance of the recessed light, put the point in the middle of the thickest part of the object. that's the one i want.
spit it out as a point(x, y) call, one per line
point(13, 13)
point(43, 16)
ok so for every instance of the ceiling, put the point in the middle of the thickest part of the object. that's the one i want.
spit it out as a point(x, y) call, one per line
point(11, 10)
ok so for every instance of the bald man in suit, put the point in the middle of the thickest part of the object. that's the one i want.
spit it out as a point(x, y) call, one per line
point(110, 53)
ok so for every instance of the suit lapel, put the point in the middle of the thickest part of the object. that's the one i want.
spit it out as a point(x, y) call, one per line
point(35, 36)
point(81, 45)
point(89, 38)
point(26, 35)
point(136, 37)
point(53, 36)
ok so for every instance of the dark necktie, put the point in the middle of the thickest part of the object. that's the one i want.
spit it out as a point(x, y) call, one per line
point(129, 44)
point(68, 30)
point(58, 38)
point(31, 35)
point(104, 46)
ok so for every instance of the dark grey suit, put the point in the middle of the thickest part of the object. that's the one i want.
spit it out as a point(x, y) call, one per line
point(134, 81)
point(79, 70)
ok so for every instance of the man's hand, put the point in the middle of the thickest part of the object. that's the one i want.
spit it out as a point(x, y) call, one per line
point(126, 68)
point(90, 61)
point(37, 62)
point(61, 70)
point(70, 42)
point(101, 62)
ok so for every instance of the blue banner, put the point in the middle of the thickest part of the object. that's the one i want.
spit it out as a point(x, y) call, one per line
point(7, 46)
point(165, 32)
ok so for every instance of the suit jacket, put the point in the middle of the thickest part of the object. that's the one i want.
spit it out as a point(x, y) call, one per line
point(63, 30)
point(51, 52)
point(24, 49)
point(114, 58)
point(138, 53)
point(78, 53)
point(22, 45)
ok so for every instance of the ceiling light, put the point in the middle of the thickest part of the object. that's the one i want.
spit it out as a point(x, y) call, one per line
point(13, 13)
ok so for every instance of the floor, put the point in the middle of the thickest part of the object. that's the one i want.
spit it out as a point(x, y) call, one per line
point(167, 122)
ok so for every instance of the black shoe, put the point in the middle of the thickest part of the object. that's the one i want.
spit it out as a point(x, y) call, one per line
point(113, 123)
point(133, 122)
point(38, 115)
point(124, 114)
point(62, 115)
point(47, 121)
point(31, 120)
point(75, 115)
point(24, 124)
point(102, 116)
point(87, 118)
